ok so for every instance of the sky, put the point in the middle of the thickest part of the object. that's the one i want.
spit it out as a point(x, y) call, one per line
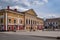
point(43, 8)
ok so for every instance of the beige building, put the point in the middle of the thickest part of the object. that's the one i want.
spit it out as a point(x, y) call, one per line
point(13, 19)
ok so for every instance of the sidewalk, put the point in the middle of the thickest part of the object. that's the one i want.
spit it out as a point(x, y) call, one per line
point(51, 34)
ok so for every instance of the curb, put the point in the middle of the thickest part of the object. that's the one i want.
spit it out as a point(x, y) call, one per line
point(45, 37)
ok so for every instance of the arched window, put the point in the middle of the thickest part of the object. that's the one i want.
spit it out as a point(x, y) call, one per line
point(9, 20)
point(14, 21)
point(20, 21)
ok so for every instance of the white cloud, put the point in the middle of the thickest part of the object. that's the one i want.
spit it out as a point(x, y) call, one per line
point(23, 9)
point(26, 2)
point(45, 1)
point(11, 0)
point(19, 8)
point(15, 0)
point(13, 7)
point(5, 0)
point(31, 3)
point(48, 15)
point(38, 3)
point(51, 16)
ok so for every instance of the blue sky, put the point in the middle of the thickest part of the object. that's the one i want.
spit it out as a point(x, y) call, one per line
point(43, 8)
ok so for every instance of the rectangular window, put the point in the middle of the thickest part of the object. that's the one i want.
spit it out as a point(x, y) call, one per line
point(1, 20)
point(33, 22)
point(29, 21)
point(9, 20)
point(26, 21)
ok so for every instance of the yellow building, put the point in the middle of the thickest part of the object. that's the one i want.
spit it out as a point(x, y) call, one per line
point(13, 19)
point(40, 23)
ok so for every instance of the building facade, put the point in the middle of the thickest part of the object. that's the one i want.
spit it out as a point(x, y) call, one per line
point(40, 23)
point(13, 19)
point(53, 23)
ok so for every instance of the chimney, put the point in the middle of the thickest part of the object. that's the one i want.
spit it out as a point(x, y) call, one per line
point(8, 7)
point(15, 9)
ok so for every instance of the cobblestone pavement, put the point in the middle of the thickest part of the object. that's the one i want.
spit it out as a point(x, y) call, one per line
point(37, 33)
